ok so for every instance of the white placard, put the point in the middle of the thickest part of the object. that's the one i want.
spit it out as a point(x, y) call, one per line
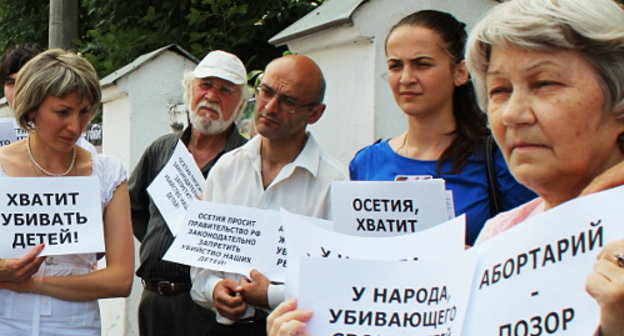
point(20, 133)
point(326, 225)
point(64, 213)
point(178, 183)
point(388, 208)
point(7, 131)
point(306, 239)
point(535, 272)
point(229, 238)
point(358, 297)
point(450, 204)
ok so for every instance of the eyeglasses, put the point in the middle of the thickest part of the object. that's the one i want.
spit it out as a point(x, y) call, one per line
point(285, 103)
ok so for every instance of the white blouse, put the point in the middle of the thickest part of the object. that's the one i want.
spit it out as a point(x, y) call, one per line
point(40, 315)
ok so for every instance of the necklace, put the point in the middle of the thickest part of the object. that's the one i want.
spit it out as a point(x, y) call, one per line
point(45, 171)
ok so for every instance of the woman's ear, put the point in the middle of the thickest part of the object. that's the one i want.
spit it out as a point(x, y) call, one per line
point(30, 117)
point(461, 74)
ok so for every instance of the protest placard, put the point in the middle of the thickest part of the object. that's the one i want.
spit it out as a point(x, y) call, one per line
point(178, 183)
point(20, 132)
point(388, 208)
point(7, 131)
point(364, 297)
point(450, 202)
point(306, 239)
point(65, 214)
point(531, 278)
point(229, 238)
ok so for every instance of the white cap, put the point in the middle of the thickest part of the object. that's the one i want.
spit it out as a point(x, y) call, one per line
point(222, 65)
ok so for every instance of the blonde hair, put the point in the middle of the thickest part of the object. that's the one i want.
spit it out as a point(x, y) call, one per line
point(594, 29)
point(55, 73)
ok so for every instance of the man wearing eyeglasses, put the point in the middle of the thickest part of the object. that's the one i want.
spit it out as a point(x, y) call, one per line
point(282, 167)
point(215, 94)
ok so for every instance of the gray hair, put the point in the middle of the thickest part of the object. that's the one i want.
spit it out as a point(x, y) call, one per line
point(594, 29)
point(187, 81)
point(55, 73)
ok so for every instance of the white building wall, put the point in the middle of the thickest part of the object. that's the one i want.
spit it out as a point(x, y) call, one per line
point(116, 128)
point(136, 113)
point(346, 103)
point(161, 85)
point(119, 314)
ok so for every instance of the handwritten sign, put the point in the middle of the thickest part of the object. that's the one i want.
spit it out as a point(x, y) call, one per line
point(532, 277)
point(360, 297)
point(65, 214)
point(7, 131)
point(388, 208)
point(178, 183)
point(229, 238)
point(306, 239)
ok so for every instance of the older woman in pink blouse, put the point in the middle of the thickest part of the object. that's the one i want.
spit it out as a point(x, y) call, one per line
point(550, 74)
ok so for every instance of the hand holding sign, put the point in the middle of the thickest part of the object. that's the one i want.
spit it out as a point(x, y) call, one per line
point(603, 285)
point(227, 301)
point(533, 275)
point(21, 269)
point(254, 290)
point(287, 320)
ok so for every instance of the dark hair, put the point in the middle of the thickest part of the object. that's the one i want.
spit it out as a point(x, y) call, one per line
point(15, 58)
point(471, 130)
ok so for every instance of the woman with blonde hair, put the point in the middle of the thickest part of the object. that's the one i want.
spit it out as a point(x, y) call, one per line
point(57, 93)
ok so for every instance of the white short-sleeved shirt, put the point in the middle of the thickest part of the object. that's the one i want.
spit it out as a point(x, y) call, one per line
point(40, 315)
point(302, 187)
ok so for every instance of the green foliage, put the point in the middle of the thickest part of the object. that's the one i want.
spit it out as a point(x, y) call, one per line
point(23, 21)
point(243, 26)
point(115, 32)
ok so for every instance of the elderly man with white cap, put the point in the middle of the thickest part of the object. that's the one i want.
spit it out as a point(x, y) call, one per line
point(215, 94)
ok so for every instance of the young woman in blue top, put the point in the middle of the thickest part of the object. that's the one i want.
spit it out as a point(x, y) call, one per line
point(446, 130)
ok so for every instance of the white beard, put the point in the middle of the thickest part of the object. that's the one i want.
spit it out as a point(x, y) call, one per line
point(208, 126)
